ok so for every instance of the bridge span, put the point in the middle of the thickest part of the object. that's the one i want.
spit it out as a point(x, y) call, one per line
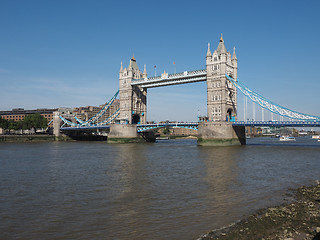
point(221, 125)
point(194, 125)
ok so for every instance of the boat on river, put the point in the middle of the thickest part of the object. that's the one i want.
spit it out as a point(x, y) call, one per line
point(315, 137)
point(286, 138)
point(162, 138)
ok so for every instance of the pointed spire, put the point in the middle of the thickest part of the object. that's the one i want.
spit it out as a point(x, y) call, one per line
point(144, 75)
point(121, 68)
point(133, 59)
point(145, 70)
point(234, 56)
point(221, 47)
point(208, 52)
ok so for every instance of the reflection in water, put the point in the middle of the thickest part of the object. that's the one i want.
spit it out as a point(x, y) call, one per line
point(168, 190)
point(221, 175)
point(130, 205)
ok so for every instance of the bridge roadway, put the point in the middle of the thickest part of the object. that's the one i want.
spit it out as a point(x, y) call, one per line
point(194, 125)
point(277, 123)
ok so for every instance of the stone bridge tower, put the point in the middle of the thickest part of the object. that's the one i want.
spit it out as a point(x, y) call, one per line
point(221, 101)
point(221, 94)
point(133, 99)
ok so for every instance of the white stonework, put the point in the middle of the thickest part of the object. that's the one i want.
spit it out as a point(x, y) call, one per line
point(221, 94)
point(133, 99)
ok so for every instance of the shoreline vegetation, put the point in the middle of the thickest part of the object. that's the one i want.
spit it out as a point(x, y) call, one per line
point(298, 219)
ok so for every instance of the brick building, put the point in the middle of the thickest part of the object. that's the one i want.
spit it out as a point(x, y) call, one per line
point(19, 114)
point(85, 113)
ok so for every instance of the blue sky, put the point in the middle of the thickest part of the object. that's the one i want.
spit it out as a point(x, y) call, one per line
point(68, 53)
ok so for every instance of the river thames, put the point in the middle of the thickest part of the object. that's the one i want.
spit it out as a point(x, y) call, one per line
point(171, 189)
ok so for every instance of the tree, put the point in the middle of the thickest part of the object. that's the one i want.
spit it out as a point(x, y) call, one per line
point(35, 121)
point(4, 123)
point(166, 130)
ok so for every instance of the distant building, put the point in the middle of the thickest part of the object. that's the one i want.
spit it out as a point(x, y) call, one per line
point(19, 114)
point(183, 131)
point(85, 113)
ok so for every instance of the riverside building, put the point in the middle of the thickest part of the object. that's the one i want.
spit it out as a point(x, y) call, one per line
point(19, 114)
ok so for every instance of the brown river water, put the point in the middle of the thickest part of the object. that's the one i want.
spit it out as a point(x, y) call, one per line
point(172, 189)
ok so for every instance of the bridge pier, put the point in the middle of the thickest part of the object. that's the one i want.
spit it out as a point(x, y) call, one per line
point(220, 134)
point(127, 133)
point(56, 124)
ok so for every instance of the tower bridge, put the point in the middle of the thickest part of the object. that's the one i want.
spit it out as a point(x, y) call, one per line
point(221, 93)
point(221, 126)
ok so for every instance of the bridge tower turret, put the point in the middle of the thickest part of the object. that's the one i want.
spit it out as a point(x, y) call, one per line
point(133, 99)
point(221, 94)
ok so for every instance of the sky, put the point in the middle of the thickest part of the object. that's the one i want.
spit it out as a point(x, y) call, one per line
point(68, 53)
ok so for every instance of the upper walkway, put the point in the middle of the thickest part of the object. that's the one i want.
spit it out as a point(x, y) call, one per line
point(171, 79)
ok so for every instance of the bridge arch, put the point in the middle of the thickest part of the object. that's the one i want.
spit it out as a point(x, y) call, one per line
point(136, 118)
point(229, 115)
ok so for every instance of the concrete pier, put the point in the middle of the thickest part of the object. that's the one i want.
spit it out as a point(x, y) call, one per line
point(127, 133)
point(220, 134)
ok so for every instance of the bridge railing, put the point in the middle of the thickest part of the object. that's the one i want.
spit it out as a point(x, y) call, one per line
point(278, 123)
point(146, 127)
point(269, 105)
point(173, 76)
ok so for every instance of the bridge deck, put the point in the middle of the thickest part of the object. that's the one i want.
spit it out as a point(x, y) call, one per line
point(194, 125)
point(171, 79)
point(277, 123)
point(80, 128)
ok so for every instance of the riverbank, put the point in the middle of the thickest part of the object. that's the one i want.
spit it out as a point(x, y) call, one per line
point(31, 138)
point(298, 219)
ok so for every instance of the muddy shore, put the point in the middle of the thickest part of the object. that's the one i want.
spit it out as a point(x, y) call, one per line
point(298, 219)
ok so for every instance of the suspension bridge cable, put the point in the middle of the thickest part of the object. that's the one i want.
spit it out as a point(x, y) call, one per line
point(269, 105)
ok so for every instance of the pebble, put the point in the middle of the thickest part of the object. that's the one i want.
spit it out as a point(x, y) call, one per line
point(318, 230)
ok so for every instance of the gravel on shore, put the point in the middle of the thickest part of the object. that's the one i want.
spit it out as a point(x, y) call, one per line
point(298, 219)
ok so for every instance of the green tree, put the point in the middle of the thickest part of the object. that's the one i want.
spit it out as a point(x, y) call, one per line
point(4, 123)
point(166, 130)
point(35, 121)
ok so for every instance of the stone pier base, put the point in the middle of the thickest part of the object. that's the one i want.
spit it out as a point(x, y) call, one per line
point(56, 124)
point(127, 133)
point(220, 134)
